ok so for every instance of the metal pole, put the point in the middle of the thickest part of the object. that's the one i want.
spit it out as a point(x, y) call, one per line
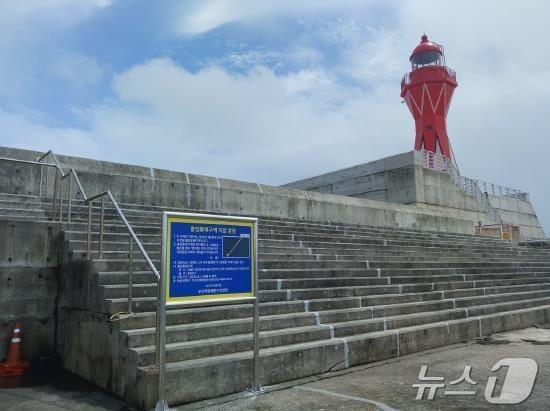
point(162, 405)
point(70, 199)
point(130, 272)
point(40, 185)
point(133, 234)
point(256, 322)
point(89, 245)
point(46, 181)
point(61, 199)
point(54, 194)
point(157, 328)
point(101, 227)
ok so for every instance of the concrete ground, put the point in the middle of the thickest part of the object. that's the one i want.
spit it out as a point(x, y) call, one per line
point(388, 385)
point(382, 386)
point(54, 390)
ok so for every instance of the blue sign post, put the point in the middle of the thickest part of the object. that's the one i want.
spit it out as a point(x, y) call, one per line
point(207, 259)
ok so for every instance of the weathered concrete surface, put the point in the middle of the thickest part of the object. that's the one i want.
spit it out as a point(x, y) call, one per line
point(20, 179)
point(53, 390)
point(28, 284)
point(383, 385)
point(436, 191)
point(389, 385)
point(388, 179)
point(91, 346)
point(149, 186)
point(402, 179)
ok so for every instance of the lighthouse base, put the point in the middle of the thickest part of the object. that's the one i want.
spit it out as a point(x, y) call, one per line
point(405, 179)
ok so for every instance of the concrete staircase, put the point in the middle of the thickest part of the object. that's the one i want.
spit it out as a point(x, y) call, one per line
point(332, 296)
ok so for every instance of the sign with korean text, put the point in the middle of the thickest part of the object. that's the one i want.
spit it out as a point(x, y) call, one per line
point(208, 257)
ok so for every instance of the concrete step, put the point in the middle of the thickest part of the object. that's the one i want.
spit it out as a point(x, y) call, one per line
point(414, 258)
point(299, 310)
point(297, 264)
point(336, 297)
point(35, 214)
point(320, 356)
point(321, 229)
point(373, 261)
point(341, 246)
point(114, 224)
point(337, 323)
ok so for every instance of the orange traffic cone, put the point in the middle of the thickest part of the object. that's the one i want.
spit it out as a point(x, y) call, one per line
point(14, 364)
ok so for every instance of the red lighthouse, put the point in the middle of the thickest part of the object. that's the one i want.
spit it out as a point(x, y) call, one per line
point(428, 90)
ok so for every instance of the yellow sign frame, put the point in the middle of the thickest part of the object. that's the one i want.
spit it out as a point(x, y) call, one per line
point(208, 219)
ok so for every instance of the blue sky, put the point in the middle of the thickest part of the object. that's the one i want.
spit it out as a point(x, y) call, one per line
point(273, 91)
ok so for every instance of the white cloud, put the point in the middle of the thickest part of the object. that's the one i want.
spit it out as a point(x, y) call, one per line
point(251, 58)
point(25, 26)
point(79, 70)
point(254, 126)
point(15, 15)
point(19, 130)
point(205, 15)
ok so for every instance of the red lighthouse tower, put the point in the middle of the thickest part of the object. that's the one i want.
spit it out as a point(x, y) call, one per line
point(428, 90)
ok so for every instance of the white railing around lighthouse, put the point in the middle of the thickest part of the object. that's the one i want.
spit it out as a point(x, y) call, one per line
point(481, 190)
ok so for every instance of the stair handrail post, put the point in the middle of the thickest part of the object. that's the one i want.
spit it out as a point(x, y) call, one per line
point(89, 238)
point(61, 199)
point(40, 181)
point(56, 162)
point(55, 183)
point(157, 329)
point(133, 234)
point(161, 326)
point(79, 184)
point(59, 174)
point(70, 199)
point(140, 247)
point(46, 181)
point(101, 226)
point(130, 273)
point(256, 318)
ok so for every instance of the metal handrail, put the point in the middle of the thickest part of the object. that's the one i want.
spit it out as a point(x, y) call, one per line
point(133, 238)
point(58, 166)
point(406, 79)
point(16, 160)
point(482, 198)
point(61, 176)
point(78, 183)
point(128, 227)
point(46, 154)
point(89, 201)
point(72, 173)
point(58, 171)
point(439, 162)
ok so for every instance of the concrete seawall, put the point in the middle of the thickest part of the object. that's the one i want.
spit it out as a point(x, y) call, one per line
point(150, 186)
